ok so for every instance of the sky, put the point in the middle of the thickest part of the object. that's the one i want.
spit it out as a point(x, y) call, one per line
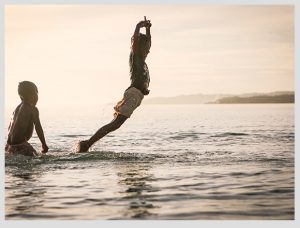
point(78, 54)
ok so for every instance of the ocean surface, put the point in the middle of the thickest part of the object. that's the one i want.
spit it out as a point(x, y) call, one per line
point(167, 162)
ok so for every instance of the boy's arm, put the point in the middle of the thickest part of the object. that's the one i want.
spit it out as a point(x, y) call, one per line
point(148, 34)
point(39, 130)
point(139, 25)
point(134, 38)
point(148, 25)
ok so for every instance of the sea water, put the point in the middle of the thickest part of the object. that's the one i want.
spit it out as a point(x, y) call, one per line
point(178, 162)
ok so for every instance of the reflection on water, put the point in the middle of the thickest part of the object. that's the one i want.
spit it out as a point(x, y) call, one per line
point(136, 178)
point(27, 197)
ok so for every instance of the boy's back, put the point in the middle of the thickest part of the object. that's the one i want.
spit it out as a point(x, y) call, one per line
point(21, 126)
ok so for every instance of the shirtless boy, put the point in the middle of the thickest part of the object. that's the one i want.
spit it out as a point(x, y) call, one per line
point(24, 119)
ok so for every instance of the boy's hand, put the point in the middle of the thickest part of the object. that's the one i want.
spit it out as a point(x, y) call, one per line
point(148, 24)
point(45, 149)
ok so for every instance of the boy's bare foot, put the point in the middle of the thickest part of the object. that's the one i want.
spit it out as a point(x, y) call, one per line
point(82, 146)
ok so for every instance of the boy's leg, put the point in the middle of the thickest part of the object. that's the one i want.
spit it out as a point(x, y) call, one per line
point(112, 126)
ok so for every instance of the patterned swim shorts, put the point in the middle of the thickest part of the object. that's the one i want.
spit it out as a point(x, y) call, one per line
point(132, 99)
point(24, 148)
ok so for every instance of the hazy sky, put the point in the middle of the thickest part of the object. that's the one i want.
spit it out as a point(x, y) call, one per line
point(78, 55)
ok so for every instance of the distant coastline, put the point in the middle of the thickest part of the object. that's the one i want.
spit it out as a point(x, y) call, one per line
point(247, 98)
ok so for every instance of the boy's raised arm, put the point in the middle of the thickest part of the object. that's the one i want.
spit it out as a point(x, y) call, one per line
point(39, 130)
point(147, 25)
point(137, 28)
point(134, 43)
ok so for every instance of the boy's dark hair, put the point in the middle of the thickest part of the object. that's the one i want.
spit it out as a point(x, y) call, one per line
point(26, 90)
point(143, 40)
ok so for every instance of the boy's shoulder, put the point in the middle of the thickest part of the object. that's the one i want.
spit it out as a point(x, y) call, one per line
point(24, 107)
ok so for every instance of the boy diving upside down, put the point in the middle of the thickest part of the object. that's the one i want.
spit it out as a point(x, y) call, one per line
point(134, 94)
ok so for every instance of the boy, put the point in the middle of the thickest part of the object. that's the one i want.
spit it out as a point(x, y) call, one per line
point(134, 94)
point(25, 116)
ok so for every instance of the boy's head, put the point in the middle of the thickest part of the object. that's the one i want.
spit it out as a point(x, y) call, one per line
point(144, 45)
point(28, 92)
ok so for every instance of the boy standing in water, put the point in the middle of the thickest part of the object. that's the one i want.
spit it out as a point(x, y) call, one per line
point(25, 116)
point(134, 94)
